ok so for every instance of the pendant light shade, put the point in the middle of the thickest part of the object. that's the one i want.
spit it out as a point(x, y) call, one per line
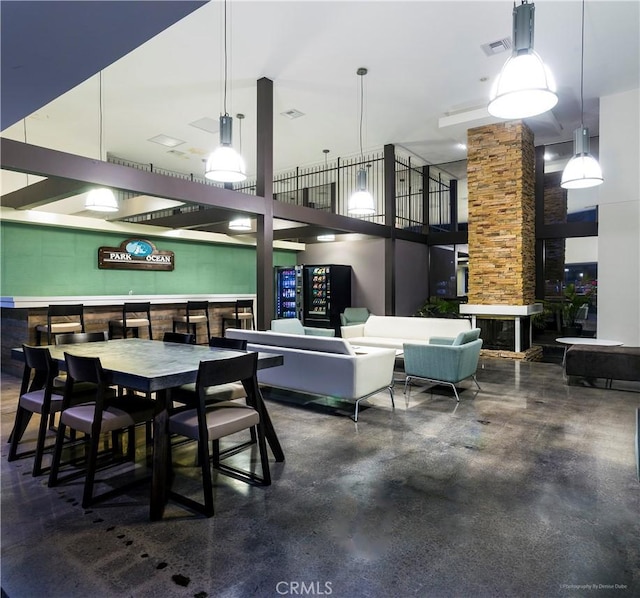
point(240, 224)
point(225, 165)
point(101, 200)
point(361, 202)
point(525, 86)
point(583, 170)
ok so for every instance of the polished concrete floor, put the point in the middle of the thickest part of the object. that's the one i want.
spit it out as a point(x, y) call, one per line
point(526, 488)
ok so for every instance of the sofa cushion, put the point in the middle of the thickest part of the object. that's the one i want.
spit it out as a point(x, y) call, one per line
point(466, 337)
point(322, 344)
point(287, 326)
point(410, 328)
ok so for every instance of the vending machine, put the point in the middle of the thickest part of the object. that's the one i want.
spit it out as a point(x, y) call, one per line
point(288, 288)
point(316, 295)
point(326, 292)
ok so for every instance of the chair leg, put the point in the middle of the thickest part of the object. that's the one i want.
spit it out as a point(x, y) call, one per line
point(23, 416)
point(407, 381)
point(90, 475)
point(207, 484)
point(264, 457)
point(57, 455)
point(42, 432)
point(476, 381)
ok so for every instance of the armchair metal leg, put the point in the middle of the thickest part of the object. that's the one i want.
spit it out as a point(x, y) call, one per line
point(389, 388)
point(474, 379)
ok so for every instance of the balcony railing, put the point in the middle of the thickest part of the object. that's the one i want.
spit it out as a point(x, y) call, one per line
point(328, 186)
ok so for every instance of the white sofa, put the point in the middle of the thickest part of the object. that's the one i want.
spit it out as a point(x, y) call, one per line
point(322, 365)
point(393, 331)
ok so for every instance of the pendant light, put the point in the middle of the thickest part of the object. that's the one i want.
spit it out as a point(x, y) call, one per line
point(225, 165)
point(582, 170)
point(242, 224)
point(525, 86)
point(101, 199)
point(361, 202)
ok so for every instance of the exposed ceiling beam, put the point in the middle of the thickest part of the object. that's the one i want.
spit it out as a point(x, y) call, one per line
point(23, 157)
point(41, 193)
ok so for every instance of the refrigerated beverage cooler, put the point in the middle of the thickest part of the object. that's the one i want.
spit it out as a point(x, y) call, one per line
point(314, 294)
point(288, 287)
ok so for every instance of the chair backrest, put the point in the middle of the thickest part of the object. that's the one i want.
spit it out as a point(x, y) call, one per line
point(467, 336)
point(197, 306)
point(179, 337)
point(86, 369)
point(72, 338)
point(128, 308)
point(37, 360)
point(236, 344)
point(354, 315)
point(288, 326)
point(222, 371)
point(242, 304)
point(76, 309)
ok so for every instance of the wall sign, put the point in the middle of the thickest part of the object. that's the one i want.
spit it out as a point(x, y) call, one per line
point(135, 254)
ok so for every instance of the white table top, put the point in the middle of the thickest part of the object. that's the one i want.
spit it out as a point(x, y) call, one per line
point(585, 340)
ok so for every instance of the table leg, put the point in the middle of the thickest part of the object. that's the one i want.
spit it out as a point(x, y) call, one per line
point(160, 479)
point(269, 431)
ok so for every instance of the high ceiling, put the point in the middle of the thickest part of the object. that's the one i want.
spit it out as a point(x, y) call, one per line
point(425, 62)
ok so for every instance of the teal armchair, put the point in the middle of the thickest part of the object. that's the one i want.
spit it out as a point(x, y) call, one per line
point(294, 326)
point(354, 315)
point(444, 361)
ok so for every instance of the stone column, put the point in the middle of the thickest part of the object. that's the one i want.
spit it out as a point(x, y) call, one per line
point(501, 180)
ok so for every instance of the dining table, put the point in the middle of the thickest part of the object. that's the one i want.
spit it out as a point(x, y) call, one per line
point(150, 366)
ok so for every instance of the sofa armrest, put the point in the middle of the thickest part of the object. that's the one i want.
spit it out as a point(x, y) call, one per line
point(311, 331)
point(353, 331)
point(441, 340)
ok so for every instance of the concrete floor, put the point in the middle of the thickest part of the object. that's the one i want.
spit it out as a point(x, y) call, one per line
point(526, 488)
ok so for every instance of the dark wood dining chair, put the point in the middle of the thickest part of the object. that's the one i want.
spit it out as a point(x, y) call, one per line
point(37, 395)
point(197, 312)
point(134, 317)
point(73, 338)
point(58, 321)
point(208, 423)
point(106, 412)
point(232, 391)
point(183, 338)
point(242, 316)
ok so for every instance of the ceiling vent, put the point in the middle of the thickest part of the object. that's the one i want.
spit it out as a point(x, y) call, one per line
point(292, 113)
point(166, 140)
point(497, 47)
point(207, 124)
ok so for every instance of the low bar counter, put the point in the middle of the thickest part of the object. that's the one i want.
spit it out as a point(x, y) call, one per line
point(21, 315)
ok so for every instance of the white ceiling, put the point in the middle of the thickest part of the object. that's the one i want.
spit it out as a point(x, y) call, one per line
point(424, 58)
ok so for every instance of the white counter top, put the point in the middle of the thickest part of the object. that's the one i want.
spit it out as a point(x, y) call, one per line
point(501, 310)
point(97, 300)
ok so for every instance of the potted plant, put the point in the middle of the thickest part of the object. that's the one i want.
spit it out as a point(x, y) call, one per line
point(571, 307)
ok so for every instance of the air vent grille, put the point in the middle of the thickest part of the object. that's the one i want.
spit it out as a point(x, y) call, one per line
point(497, 47)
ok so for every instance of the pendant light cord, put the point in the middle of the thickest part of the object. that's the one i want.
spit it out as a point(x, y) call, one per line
point(361, 111)
point(582, 71)
point(225, 59)
point(100, 111)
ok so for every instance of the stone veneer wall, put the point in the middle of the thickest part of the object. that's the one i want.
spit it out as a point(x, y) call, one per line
point(555, 212)
point(500, 170)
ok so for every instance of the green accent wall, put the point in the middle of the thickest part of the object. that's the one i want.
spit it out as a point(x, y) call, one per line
point(50, 261)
